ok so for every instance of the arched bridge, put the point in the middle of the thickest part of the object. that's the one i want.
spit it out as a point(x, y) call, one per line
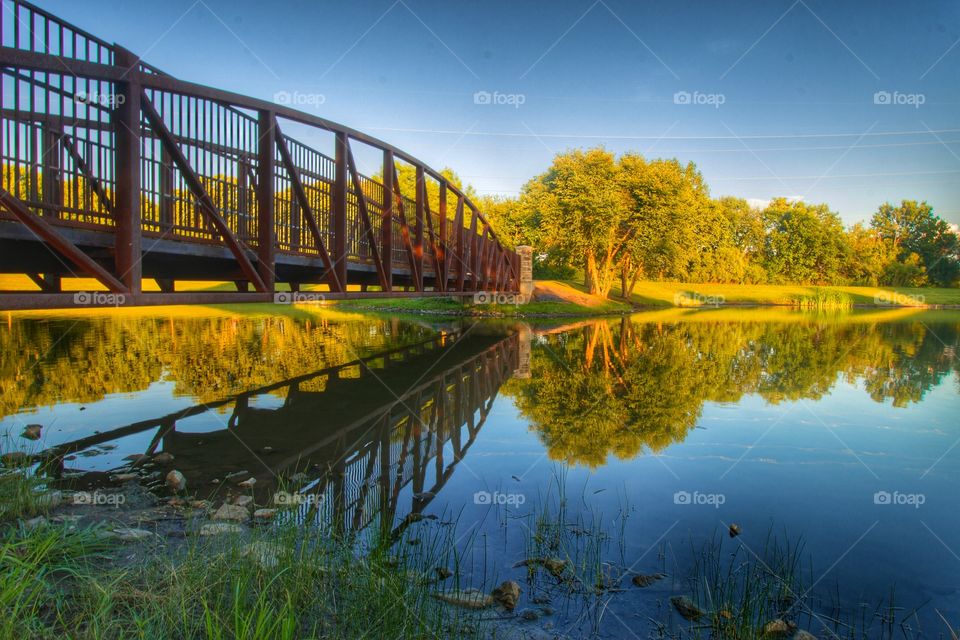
point(117, 171)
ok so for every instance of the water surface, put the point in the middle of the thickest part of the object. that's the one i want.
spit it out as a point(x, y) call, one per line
point(838, 432)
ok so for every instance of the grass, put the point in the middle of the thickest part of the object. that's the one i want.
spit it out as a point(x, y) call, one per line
point(650, 293)
point(444, 305)
point(288, 581)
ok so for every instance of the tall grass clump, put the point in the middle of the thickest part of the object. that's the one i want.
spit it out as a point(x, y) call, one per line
point(824, 298)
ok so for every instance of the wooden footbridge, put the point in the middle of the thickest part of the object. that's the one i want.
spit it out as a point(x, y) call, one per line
point(114, 170)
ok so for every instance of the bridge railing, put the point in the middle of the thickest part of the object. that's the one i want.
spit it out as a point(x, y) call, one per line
point(94, 138)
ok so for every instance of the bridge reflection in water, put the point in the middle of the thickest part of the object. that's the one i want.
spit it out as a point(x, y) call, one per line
point(344, 441)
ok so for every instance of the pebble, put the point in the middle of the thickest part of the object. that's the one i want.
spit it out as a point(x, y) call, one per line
point(231, 512)
point(32, 432)
point(243, 501)
point(247, 484)
point(176, 482)
point(163, 458)
point(264, 514)
point(128, 534)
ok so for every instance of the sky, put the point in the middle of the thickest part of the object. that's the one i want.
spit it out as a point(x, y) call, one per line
point(849, 103)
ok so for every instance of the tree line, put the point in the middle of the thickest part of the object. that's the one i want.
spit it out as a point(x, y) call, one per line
point(617, 220)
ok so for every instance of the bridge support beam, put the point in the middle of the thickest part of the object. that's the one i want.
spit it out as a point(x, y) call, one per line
point(126, 120)
point(266, 241)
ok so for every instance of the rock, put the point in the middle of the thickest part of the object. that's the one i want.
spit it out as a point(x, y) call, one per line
point(128, 534)
point(15, 459)
point(237, 477)
point(778, 629)
point(686, 608)
point(199, 504)
point(69, 520)
point(32, 432)
point(176, 502)
point(176, 482)
point(734, 530)
point(443, 573)
point(247, 484)
point(35, 523)
point(243, 501)
point(529, 614)
point(555, 566)
point(804, 635)
point(163, 458)
point(264, 554)
point(231, 512)
point(264, 514)
point(507, 594)
point(469, 599)
point(125, 477)
point(642, 580)
point(218, 528)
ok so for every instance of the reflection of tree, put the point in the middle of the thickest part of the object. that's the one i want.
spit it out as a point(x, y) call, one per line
point(43, 363)
point(621, 387)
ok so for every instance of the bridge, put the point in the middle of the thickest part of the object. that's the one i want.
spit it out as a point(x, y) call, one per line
point(117, 171)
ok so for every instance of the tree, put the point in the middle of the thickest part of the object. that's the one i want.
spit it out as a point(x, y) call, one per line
point(804, 244)
point(913, 228)
point(583, 214)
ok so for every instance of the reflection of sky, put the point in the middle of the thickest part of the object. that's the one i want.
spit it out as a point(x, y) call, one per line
point(808, 468)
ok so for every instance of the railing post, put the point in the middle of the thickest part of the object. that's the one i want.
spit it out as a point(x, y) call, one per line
point(126, 120)
point(386, 222)
point(52, 187)
point(266, 234)
point(474, 242)
point(421, 192)
point(442, 232)
point(338, 215)
point(461, 263)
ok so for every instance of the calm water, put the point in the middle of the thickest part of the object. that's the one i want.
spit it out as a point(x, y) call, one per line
point(837, 432)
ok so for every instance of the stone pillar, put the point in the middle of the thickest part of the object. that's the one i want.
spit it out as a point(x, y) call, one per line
point(526, 272)
point(524, 336)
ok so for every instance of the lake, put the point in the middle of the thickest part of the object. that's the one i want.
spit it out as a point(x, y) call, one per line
point(627, 445)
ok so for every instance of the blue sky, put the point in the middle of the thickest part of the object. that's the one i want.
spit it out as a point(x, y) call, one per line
point(848, 103)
